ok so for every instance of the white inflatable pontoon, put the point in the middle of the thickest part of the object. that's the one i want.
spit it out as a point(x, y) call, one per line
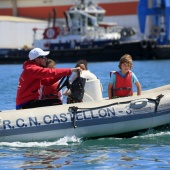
point(89, 119)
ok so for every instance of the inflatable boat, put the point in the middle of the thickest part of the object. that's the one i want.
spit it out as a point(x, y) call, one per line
point(91, 119)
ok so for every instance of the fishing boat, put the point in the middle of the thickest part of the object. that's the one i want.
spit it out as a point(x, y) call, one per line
point(86, 35)
point(84, 29)
point(89, 119)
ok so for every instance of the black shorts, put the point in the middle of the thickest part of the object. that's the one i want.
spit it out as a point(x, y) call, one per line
point(41, 103)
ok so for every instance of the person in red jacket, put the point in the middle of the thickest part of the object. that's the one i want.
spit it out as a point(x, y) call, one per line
point(33, 76)
point(50, 92)
point(120, 84)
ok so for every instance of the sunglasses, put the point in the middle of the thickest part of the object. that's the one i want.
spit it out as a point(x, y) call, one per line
point(44, 57)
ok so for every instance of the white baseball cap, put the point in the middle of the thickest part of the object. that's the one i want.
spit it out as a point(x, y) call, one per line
point(36, 52)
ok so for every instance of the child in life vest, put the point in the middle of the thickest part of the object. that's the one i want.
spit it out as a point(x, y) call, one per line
point(120, 84)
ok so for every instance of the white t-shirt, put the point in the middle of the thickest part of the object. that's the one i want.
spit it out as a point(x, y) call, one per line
point(85, 74)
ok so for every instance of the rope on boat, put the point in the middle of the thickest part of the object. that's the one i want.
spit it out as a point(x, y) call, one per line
point(157, 101)
point(74, 109)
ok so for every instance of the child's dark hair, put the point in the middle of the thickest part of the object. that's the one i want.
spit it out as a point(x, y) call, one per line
point(81, 62)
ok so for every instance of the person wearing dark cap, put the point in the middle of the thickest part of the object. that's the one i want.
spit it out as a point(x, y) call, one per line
point(33, 76)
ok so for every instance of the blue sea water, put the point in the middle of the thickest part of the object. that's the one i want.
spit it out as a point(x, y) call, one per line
point(151, 150)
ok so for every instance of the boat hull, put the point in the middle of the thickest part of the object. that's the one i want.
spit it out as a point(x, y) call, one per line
point(107, 53)
point(89, 119)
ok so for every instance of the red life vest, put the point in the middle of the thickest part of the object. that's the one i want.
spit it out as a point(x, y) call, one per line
point(123, 85)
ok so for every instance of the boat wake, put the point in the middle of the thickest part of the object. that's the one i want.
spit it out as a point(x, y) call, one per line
point(73, 140)
point(62, 141)
point(151, 135)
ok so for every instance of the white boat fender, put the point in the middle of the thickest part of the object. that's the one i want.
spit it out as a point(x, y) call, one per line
point(138, 104)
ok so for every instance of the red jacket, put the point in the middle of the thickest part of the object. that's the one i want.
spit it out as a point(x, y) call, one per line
point(123, 85)
point(32, 77)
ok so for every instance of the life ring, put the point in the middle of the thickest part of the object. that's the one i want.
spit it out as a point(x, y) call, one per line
point(155, 30)
point(51, 33)
point(144, 44)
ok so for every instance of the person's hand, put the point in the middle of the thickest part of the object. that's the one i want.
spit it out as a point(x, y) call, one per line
point(76, 69)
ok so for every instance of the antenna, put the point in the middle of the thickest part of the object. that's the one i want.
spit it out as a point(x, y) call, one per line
point(54, 17)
